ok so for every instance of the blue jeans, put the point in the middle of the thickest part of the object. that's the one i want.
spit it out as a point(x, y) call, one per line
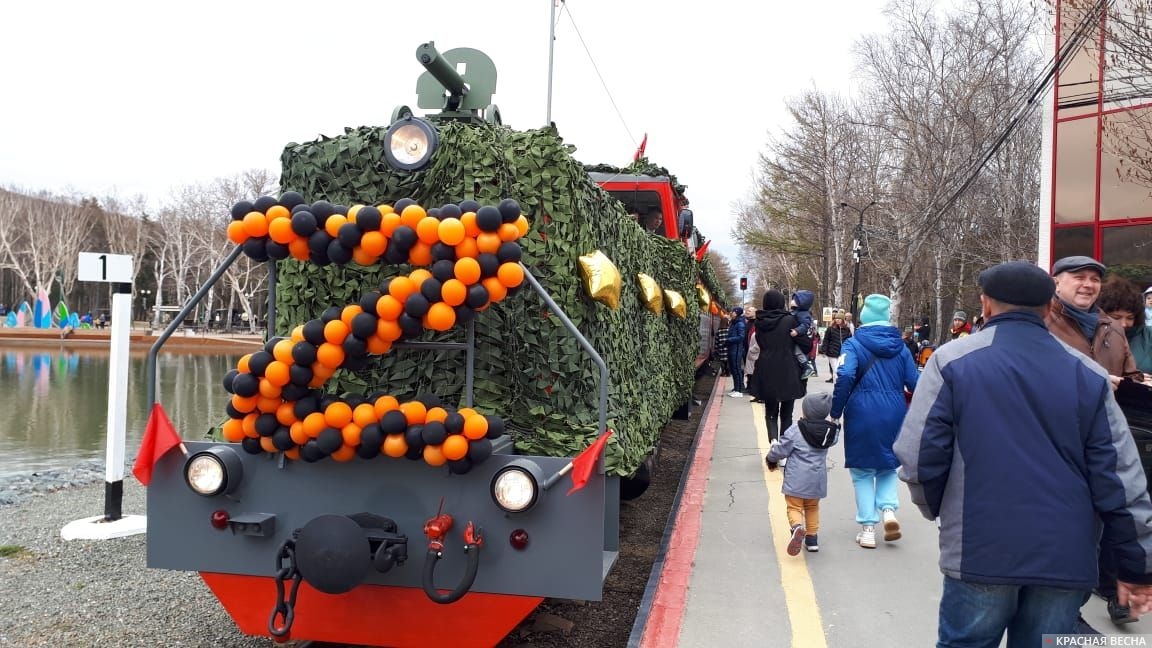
point(736, 367)
point(875, 491)
point(975, 615)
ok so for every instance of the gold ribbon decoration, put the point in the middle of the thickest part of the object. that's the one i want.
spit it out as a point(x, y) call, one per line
point(676, 303)
point(651, 294)
point(601, 278)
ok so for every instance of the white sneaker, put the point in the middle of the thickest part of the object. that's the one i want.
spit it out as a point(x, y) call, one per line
point(891, 526)
point(736, 394)
point(866, 538)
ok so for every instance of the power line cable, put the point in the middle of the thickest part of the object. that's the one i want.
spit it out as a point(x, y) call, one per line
point(603, 84)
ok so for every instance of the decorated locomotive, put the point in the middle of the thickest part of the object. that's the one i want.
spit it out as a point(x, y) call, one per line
point(463, 322)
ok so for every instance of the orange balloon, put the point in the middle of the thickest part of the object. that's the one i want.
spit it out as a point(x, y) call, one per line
point(510, 274)
point(242, 363)
point(333, 224)
point(335, 331)
point(440, 317)
point(268, 405)
point(436, 414)
point(233, 430)
point(255, 224)
point(248, 424)
point(420, 254)
point(293, 454)
point(451, 231)
point(508, 232)
point(351, 434)
point(475, 427)
point(338, 414)
point(277, 373)
point(330, 355)
point(378, 345)
point(522, 225)
point(385, 404)
point(468, 220)
point(267, 445)
point(269, 389)
point(454, 447)
point(282, 351)
point(350, 311)
point(323, 371)
point(488, 242)
point(374, 243)
point(428, 230)
point(364, 415)
point(467, 248)
point(364, 258)
point(419, 276)
point(496, 290)
point(297, 334)
point(299, 436)
point(453, 292)
point(299, 250)
point(276, 212)
point(314, 424)
point(280, 230)
point(395, 446)
point(466, 412)
point(433, 456)
point(244, 404)
point(345, 453)
point(412, 215)
point(414, 411)
point(402, 287)
point(389, 222)
point(352, 211)
point(389, 308)
point(236, 232)
point(467, 271)
point(285, 414)
point(388, 330)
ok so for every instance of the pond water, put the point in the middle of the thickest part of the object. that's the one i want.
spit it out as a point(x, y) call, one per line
point(54, 403)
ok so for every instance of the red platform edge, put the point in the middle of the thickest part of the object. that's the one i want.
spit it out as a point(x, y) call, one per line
point(667, 613)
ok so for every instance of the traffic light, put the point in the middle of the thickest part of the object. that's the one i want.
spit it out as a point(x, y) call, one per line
point(743, 283)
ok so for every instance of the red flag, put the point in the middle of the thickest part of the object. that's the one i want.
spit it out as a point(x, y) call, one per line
point(703, 250)
point(159, 438)
point(584, 462)
point(640, 151)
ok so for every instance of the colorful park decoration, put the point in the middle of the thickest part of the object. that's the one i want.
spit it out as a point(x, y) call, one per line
point(276, 402)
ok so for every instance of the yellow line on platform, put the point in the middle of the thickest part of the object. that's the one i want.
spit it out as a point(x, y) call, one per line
point(799, 593)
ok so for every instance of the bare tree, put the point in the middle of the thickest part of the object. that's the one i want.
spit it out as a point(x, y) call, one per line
point(42, 238)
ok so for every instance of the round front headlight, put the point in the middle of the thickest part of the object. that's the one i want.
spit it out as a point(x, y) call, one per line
point(214, 471)
point(410, 143)
point(514, 489)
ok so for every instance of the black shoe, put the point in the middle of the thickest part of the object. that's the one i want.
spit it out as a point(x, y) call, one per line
point(1120, 614)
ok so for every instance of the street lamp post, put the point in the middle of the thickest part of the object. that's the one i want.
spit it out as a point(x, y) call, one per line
point(856, 255)
point(144, 294)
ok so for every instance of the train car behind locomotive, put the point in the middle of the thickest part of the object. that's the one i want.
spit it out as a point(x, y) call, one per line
point(434, 437)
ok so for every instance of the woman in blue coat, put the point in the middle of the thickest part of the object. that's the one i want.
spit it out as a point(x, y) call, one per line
point(874, 371)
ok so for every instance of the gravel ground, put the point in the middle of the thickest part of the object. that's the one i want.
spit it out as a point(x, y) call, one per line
point(94, 592)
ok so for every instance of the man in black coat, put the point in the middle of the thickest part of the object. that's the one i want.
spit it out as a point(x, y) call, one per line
point(834, 337)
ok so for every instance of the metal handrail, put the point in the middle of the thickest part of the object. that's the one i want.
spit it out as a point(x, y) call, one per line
point(587, 346)
point(178, 321)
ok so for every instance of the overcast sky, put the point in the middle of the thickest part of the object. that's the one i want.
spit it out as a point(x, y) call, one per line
point(132, 97)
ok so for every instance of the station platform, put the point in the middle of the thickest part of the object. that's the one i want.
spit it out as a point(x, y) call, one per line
point(725, 578)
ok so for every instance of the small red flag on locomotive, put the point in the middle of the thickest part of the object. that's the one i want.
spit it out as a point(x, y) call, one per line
point(584, 462)
point(159, 438)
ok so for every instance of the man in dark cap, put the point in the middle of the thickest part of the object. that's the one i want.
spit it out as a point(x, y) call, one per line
point(1017, 446)
point(737, 346)
point(1080, 324)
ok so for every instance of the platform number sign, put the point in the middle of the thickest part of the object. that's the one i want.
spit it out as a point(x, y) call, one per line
point(101, 266)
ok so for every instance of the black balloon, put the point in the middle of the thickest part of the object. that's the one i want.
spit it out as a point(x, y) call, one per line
point(354, 347)
point(251, 446)
point(303, 207)
point(254, 248)
point(477, 296)
point(450, 211)
point(434, 433)
point(292, 392)
point(509, 251)
point(368, 301)
point(228, 378)
point(469, 206)
point(416, 306)
point(349, 235)
point(338, 253)
point(303, 223)
point(479, 450)
point(443, 270)
point(459, 466)
point(489, 265)
point(311, 452)
point(367, 450)
point(414, 435)
point(443, 252)
point(404, 237)
point(300, 374)
point(259, 361)
point(245, 385)
point(393, 422)
point(411, 326)
point(232, 412)
point(270, 345)
point(394, 255)
point(364, 324)
point(276, 251)
point(266, 424)
point(319, 259)
point(509, 210)
point(331, 313)
point(314, 335)
point(454, 423)
point(282, 439)
point(329, 440)
point(368, 218)
point(429, 400)
point(488, 219)
point(291, 199)
point(304, 351)
point(241, 209)
point(318, 242)
point(264, 203)
point(371, 436)
point(430, 290)
point(322, 209)
point(495, 426)
point(402, 203)
point(464, 314)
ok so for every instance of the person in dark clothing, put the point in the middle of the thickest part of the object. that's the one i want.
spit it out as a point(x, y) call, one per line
point(776, 377)
point(722, 346)
point(834, 337)
point(736, 348)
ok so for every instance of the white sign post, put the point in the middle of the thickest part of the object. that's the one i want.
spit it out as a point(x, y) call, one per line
point(117, 269)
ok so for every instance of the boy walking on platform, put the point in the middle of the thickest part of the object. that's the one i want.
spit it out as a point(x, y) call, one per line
point(805, 445)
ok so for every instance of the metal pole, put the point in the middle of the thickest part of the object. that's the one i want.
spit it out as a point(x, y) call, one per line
point(856, 249)
point(551, 49)
point(271, 316)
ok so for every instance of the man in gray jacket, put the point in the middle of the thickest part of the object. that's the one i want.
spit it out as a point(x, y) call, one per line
point(1015, 443)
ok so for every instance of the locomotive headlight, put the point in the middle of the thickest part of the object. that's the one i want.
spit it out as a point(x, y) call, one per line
point(516, 487)
point(410, 143)
point(214, 471)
